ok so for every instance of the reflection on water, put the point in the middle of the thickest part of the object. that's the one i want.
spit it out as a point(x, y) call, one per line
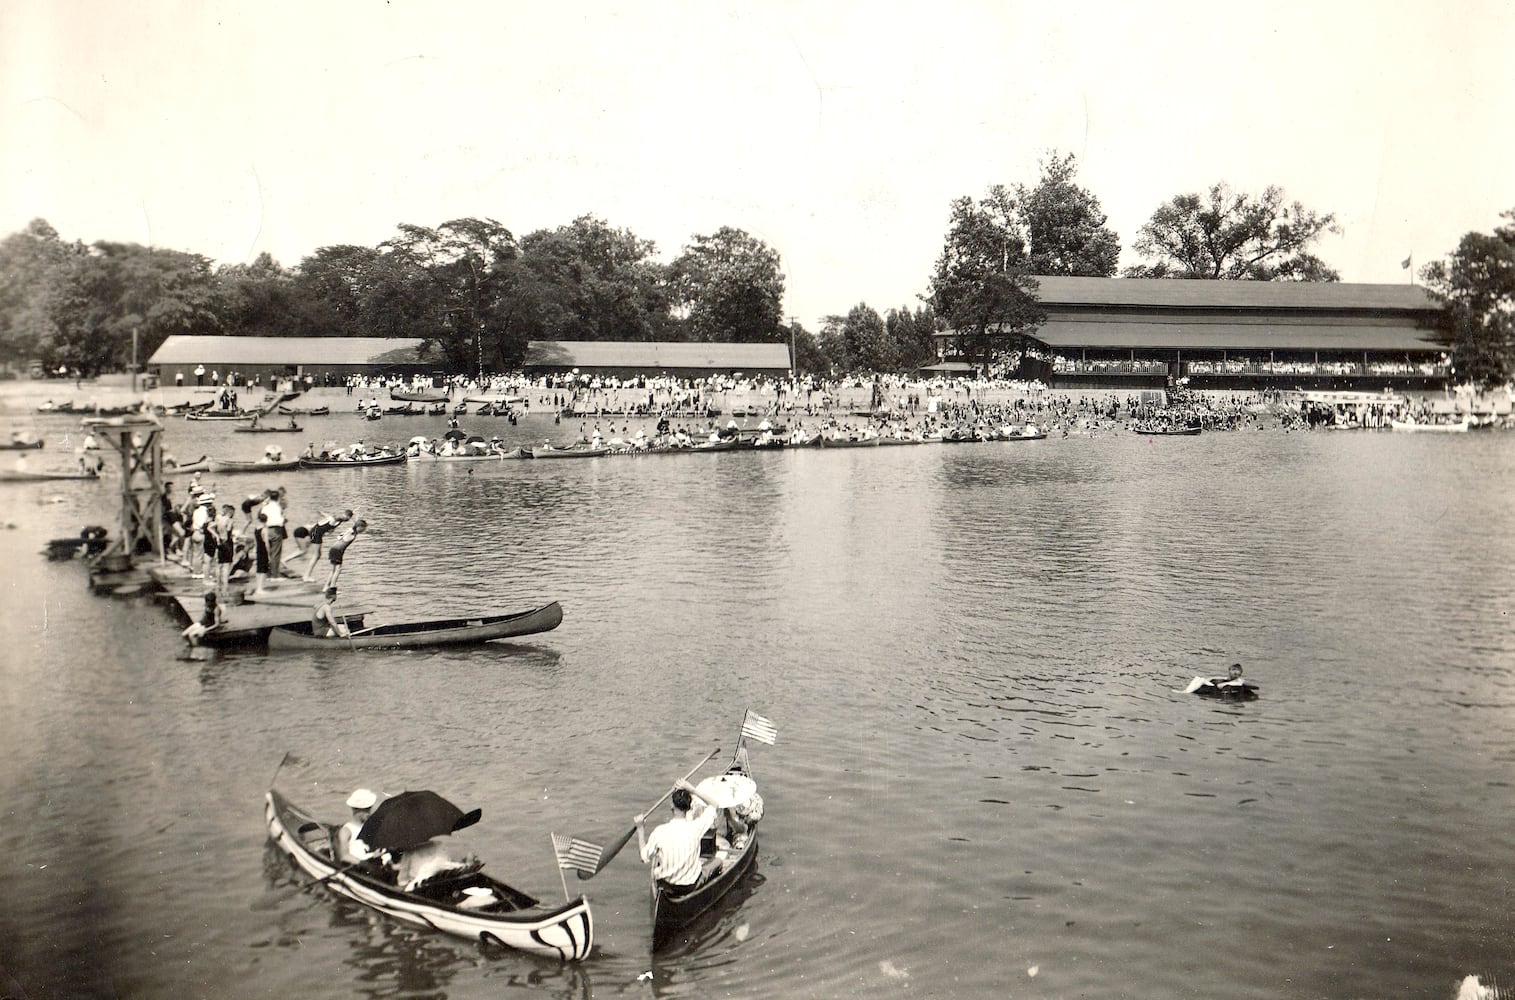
point(974, 656)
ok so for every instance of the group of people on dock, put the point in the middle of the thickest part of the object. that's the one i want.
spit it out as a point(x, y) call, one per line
point(208, 539)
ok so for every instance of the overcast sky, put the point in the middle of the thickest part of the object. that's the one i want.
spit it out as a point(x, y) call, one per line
point(837, 132)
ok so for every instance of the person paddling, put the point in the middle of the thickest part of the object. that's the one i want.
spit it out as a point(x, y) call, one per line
point(324, 621)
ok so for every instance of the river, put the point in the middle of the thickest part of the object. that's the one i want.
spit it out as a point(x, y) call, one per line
point(985, 783)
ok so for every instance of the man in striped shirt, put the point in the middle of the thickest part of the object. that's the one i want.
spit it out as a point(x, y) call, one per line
point(673, 847)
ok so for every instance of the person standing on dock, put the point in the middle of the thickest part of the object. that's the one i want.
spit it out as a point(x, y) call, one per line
point(338, 551)
point(273, 531)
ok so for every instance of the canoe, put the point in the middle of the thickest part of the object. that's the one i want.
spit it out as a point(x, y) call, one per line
point(848, 443)
point(20, 445)
point(428, 456)
point(673, 911)
point(418, 396)
point(349, 463)
point(471, 905)
point(201, 464)
point(202, 415)
point(725, 444)
point(17, 476)
point(1167, 431)
point(267, 429)
point(1418, 428)
point(223, 466)
point(416, 635)
point(546, 451)
point(315, 411)
point(1038, 436)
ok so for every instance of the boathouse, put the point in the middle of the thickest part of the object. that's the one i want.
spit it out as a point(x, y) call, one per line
point(1148, 333)
point(623, 358)
point(267, 360)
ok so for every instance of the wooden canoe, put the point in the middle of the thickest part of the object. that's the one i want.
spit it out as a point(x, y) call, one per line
point(546, 451)
point(827, 442)
point(204, 415)
point(672, 912)
point(18, 476)
point(20, 445)
point(1166, 431)
point(431, 456)
point(224, 466)
point(417, 635)
point(469, 905)
point(268, 429)
point(418, 396)
point(349, 463)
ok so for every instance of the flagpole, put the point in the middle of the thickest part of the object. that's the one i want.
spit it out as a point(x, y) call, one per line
point(561, 877)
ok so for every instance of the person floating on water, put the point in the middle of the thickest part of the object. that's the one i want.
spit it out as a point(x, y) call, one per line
point(1232, 687)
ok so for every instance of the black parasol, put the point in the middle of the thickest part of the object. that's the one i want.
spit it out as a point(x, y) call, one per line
point(411, 819)
point(455, 435)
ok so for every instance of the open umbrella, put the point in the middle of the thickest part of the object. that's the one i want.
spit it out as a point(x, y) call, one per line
point(455, 435)
point(411, 819)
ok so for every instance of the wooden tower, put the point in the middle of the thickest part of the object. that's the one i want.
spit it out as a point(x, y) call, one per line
point(138, 440)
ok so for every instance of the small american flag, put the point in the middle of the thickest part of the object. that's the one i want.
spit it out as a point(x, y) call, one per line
point(755, 727)
point(575, 853)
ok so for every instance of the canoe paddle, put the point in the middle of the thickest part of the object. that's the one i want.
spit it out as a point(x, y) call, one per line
point(615, 848)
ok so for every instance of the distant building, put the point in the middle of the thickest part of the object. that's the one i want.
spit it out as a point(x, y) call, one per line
point(1145, 333)
point(625, 358)
point(326, 359)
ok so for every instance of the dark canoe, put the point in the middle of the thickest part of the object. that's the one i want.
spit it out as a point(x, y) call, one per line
point(348, 463)
point(725, 444)
point(226, 466)
point(318, 411)
point(415, 635)
point(202, 415)
point(467, 903)
point(17, 476)
point(266, 429)
point(1039, 436)
point(20, 445)
point(672, 912)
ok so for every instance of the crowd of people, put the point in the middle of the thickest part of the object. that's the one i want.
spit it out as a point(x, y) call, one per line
point(246, 557)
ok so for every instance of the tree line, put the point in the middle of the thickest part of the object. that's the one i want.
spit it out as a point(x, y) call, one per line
point(475, 293)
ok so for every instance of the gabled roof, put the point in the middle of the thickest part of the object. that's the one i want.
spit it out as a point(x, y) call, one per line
point(254, 351)
point(1194, 294)
point(1235, 336)
point(656, 355)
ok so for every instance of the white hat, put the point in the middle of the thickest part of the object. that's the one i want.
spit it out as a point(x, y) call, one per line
point(207, 497)
point(362, 799)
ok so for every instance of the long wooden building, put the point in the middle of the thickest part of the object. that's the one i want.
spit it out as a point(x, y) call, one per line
point(1144, 333)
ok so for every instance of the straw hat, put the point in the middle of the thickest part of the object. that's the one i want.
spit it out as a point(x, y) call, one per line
point(362, 798)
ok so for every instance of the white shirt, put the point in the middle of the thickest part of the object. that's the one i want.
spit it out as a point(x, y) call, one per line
point(273, 512)
point(673, 848)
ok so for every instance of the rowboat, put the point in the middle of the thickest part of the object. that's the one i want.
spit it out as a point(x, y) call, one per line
point(725, 444)
point(547, 451)
point(225, 466)
point(348, 463)
point(674, 910)
point(470, 905)
point(415, 635)
point(315, 411)
point(18, 445)
point(268, 429)
point(827, 442)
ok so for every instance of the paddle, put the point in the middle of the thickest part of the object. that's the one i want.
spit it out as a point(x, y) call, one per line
point(615, 848)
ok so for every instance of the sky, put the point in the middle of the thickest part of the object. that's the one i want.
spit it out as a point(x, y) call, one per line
point(838, 133)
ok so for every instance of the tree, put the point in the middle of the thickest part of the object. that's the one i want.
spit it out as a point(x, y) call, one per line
point(1064, 226)
point(729, 287)
point(1227, 235)
point(1477, 289)
point(981, 288)
point(29, 264)
point(587, 281)
point(913, 336)
point(859, 342)
point(262, 299)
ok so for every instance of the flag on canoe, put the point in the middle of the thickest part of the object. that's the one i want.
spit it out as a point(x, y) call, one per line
point(755, 727)
point(575, 853)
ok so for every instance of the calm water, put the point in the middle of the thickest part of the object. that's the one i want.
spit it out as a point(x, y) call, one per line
point(984, 783)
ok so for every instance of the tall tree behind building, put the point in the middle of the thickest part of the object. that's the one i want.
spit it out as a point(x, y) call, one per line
point(729, 289)
point(1064, 225)
point(1477, 286)
point(1223, 234)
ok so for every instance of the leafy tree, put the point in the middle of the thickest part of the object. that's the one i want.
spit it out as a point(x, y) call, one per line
point(1064, 226)
point(100, 298)
point(913, 335)
point(981, 288)
point(587, 281)
point(263, 299)
point(809, 357)
point(29, 263)
point(1229, 235)
point(1477, 287)
point(729, 288)
point(858, 341)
